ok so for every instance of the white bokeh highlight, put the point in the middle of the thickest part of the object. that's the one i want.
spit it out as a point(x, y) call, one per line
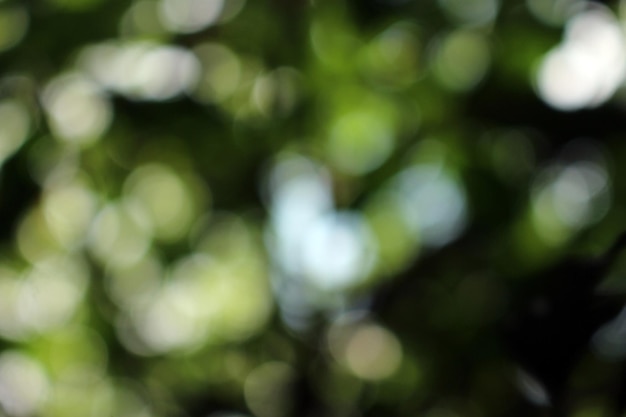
point(318, 252)
point(24, 385)
point(586, 69)
point(78, 110)
point(189, 16)
point(337, 251)
point(568, 198)
point(433, 204)
point(141, 70)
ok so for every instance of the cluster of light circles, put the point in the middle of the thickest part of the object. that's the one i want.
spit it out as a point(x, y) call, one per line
point(322, 253)
point(316, 248)
point(568, 198)
point(586, 69)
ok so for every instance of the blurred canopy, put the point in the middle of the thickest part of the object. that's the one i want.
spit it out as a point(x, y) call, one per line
point(274, 208)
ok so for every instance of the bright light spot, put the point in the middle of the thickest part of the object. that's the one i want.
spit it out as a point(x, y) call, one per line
point(107, 62)
point(221, 72)
point(567, 79)
point(23, 384)
point(69, 210)
point(13, 26)
point(165, 198)
point(533, 389)
point(266, 390)
point(142, 70)
point(337, 251)
point(169, 323)
point(569, 198)
point(188, 16)
point(373, 352)
point(471, 11)
point(588, 67)
point(318, 252)
point(360, 141)
point(229, 296)
point(367, 349)
point(77, 110)
point(432, 202)
point(120, 234)
point(462, 60)
point(573, 191)
point(15, 123)
point(164, 73)
point(204, 300)
point(51, 292)
point(300, 193)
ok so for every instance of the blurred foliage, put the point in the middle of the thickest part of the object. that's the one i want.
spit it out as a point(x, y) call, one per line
point(307, 207)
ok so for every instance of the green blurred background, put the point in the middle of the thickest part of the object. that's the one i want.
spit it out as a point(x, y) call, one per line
point(273, 208)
